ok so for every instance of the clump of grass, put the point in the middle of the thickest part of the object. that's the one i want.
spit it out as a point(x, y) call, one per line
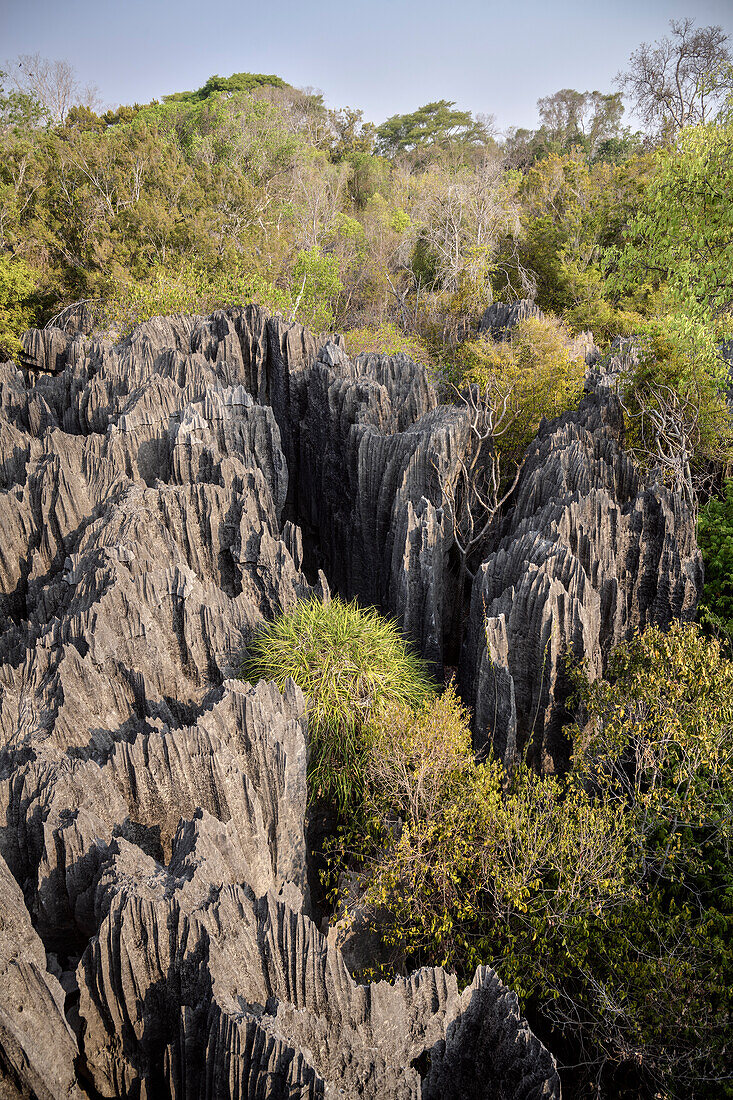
point(353, 665)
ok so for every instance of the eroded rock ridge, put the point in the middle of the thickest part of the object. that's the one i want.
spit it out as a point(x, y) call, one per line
point(155, 927)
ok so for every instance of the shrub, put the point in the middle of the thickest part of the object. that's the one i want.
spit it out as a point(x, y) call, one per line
point(352, 664)
point(484, 867)
point(605, 897)
point(17, 283)
point(715, 538)
point(677, 416)
point(386, 339)
point(185, 289)
point(540, 366)
point(316, 284)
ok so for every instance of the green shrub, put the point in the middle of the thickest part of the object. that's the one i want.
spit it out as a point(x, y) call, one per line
point(185, 289)
point(538, 364)
point(605, 897)
point(386, 339)
point(352, 664)
point(316, 284)
point(715, 538)
point(17, 283)
point(679, 381)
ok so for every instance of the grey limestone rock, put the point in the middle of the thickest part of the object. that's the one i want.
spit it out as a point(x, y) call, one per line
point(499, 318)
point(372, 441)
point(590, 550)
point(37, 1046)
point(155, 924)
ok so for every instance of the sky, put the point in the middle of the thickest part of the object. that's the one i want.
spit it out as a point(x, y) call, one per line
point(387, 57)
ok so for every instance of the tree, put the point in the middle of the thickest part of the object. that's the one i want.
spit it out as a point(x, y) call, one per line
point(715, 536)
point(228, 85)
point(16, 285)
point(581, 118)
point(351, 134)
point(604, 897)
point(19, 111)
point(436, 125)
point(676, 411)
point(53, 84)
point(679, 81)
point(682, 234)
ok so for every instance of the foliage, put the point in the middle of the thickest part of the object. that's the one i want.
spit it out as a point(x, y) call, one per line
point(436, 124)
point(16, 286)
point(540, 366)
point(682, 234)
point(316, 285)
point(604, 898)
point(584, 119)
point(387, 339)
point(18, 110)
point(185, 290)
point(660, 738)
point(715, 538)
point(237, 82)
point(674, 400)
point(352, 664)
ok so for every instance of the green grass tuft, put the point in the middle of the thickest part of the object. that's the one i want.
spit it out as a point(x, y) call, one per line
point(352, 664)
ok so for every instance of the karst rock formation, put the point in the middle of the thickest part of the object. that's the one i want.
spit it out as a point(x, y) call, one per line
point(159, 498)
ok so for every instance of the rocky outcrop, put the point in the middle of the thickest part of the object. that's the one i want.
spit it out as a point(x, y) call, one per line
point(590, 550)
point(155, 928)
point(499, 318)
point(37, 1046)
point(372, 441)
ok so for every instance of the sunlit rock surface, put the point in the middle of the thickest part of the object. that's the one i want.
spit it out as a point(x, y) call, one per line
point(158, 499)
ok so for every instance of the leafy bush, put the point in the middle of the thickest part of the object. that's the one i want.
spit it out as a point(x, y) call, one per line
point(352, 664)
point(316, 285)
point(185, 289)
point(386, 339)
point(715, 538)
point(480, 870)
point(17, 283)
point(676, 410)
point(538, 364)
point(683, 230)
point(605, 898)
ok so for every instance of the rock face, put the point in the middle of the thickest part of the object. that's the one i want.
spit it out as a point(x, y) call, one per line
point(589, 552)
point(500, 317)
point(155, 929)
point(372, 440)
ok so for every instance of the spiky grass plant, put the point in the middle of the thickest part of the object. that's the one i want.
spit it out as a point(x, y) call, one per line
point(352, 664)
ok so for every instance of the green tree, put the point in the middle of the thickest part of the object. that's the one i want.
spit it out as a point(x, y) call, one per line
point(316, 285)
point(605, 898)
point(715, 538)
point(585, 119)
point(682, 235)
point(436, 125)
point(16, 285)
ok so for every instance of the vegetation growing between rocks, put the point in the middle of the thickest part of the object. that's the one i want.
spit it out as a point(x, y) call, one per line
point(538, 365)
point(605, 897)
point(353, 665)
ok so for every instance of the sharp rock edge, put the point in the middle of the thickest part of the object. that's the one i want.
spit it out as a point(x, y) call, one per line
point(155, 937)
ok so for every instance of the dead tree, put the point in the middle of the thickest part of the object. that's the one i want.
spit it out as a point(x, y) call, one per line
point(475, 488)
point(668, 436)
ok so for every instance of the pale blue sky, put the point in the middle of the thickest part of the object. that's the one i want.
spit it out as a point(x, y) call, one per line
point(387, 57)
